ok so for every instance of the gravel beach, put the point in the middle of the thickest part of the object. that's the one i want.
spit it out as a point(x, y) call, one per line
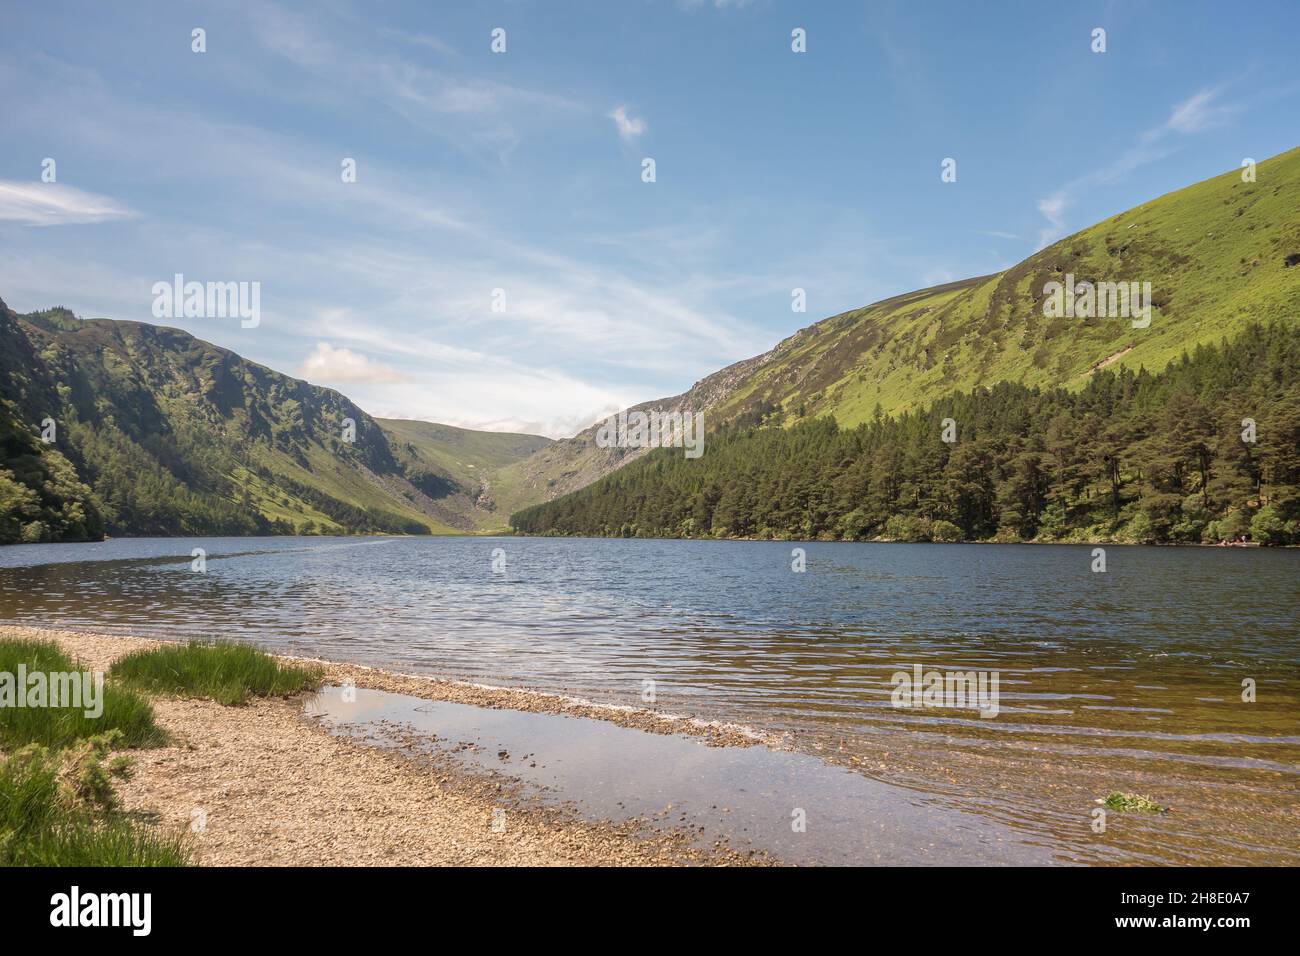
point(264, 785)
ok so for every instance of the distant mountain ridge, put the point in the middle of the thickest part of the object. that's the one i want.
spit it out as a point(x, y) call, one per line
point(173, 435)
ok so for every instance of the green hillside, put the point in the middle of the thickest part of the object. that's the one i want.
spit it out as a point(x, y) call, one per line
point(1130, 457)
point(174, 435)
point(467, 464)
point(1215, 254)
point(1218, 255)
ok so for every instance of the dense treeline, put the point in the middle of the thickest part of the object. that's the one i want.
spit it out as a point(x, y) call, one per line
point(146, 494)
point(1132, 456)
point(41, 498)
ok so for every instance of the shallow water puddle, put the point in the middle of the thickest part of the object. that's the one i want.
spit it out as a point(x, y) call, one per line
point(750, 797)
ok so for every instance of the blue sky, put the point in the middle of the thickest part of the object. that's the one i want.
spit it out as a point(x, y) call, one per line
point(521, 171)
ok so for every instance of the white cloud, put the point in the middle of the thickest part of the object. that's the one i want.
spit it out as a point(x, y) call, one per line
point(716, 4)
point(629, 127)
point(328, 364)
point(52, 204)
point(437, 44)
point(1052, 209)
point(1196, 113)
point(474, 389)
point(537, 404)
point(420, 296)
point(399, 318)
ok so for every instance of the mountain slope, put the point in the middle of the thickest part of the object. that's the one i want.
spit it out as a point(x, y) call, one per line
point(1207, 450)
point(467, 463)
point(41, 498)
point(177, 436)
point(1215, 254)
point(1218, 255)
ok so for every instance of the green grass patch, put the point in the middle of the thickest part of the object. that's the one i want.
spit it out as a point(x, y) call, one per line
point(58, 802)
point(58, 808)
point(125, 711)
point(1132, 803)
point(223, 671)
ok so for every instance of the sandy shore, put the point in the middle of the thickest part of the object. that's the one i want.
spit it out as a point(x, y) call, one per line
point(274, 788)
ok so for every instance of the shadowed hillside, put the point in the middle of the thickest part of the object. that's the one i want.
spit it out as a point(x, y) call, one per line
point(177, 436)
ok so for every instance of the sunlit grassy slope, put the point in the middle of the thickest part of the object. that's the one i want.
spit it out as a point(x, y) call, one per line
point(1215, 253)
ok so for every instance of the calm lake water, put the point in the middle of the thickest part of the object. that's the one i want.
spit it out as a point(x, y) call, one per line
point(1126, 680)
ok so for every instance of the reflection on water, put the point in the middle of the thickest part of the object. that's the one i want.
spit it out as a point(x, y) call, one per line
point(795, 808)
point(1129, 679)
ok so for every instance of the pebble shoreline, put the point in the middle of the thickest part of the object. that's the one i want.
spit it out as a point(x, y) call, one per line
point(273, 787)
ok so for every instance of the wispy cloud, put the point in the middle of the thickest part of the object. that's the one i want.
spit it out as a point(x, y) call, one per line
point(475, 114)
point(1200, 111)
point(629, 127)
point(53, 204)
point(409, 280)
point(716, 4)
point(437, 44)
point(1052, 208)
point(476, 389)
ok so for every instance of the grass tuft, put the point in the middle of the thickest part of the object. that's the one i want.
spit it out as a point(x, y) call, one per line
point(1133, 803)
point(125, 711)
point(58, 801)
point(44, 821)
point(223, 671)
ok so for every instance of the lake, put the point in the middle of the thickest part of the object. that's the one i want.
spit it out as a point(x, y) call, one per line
point(1127, 680)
